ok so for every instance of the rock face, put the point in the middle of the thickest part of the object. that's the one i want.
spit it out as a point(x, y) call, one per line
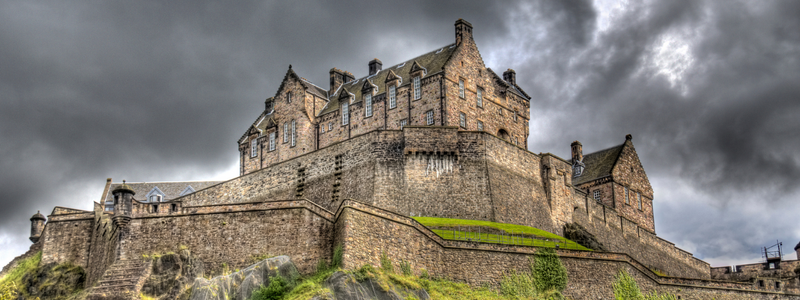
point(241, 285)
point(345, 287)
point(53, 281)
point(580, 235)
point(172, 274)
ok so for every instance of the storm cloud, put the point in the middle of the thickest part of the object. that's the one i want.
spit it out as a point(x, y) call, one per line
point(151, 91)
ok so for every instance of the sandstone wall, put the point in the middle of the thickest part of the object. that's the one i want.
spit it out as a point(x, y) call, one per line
point(365, 232)
point(103, 245)
point(235, 233)
point(67, 236)
point(619, 234)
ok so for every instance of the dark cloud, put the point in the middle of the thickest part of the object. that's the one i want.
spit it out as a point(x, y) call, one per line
point(161, 91)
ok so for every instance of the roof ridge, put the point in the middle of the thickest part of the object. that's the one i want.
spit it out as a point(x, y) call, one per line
point(406, 61)
point(606, 149)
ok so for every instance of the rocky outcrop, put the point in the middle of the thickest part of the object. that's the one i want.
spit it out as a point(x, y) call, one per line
point(52, 281)
point(344, 286)
point(171, 275)
point(580, 235)
point(241, 285)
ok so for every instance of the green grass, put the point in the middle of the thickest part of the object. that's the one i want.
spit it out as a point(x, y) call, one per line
point(509, 228)
point(25, 266)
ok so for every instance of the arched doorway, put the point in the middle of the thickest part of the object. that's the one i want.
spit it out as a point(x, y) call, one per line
point(503, 134)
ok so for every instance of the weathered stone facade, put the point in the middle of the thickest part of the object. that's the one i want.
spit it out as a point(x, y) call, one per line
point(303, 191)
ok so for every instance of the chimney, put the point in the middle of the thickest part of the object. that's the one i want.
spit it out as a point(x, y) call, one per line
point(797, 249)
point(628, 137)
point(463, 31)
point(339, 77)
point(511, 76)
point(577, 151)
point(375, 66)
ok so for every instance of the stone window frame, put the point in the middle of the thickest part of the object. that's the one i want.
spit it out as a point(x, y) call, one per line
point(429, 117)
point(627, 199)
point(367, 105)
point(253, 148)
point(294, 133)
point(462, 89)
point(403, 123)
point(272, 137)
point(288, 97)
point(157, 198)
point(285, 132)
point(322, 129)
point(480, 125)
point(639, 195)
point(515, 115)
point(417, 87)
point(596, 195)
point(392, 96)
point(345, 113)
point(462, 120)
point(479, 95)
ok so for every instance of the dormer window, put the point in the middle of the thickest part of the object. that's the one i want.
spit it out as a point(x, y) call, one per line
point(272, 141)
point(480, 97)
point(392, 97)
point(461, 88)
point(368, 105)
point(156, 198)
point(253, 148)
point(345, 113)
point(417, 92)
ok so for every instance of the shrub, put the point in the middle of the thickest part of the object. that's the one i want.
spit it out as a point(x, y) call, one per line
point(518, 285)
point(364, 272)
point(322, 265)
point(625, 287)
point(548, 272)
point(8, 291)
point(386, 263)
point(424, 274)
point(277, 288)
point(338, 257)
point(405, 267)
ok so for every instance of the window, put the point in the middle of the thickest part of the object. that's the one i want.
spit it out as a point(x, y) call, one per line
point(462, 120)
point(345, 113)
point(771, 265)
point(597, 195)
point(761, 283)
point(285, 133)
point(368, 105)
point(322, 128)
point(155, 209)
point(272, 141)
point(403, 123)
point(461, 88)
point(155, 198)
point(392, 97)
point(173, 207)
point(627, 201)
point(429, 117)
point(417, 93)
point(777, 285)
point(294, 133)
point(480, 97)
point(515, 115)
point(253, 148)
point(330, 126)
point(289, 97)
point(639, 195)
point(480, 125)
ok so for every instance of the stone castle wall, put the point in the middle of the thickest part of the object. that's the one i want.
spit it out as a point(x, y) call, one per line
point(67, 236)
point(782, 277)
point(618, 234)
point(366, 232)
point(103, 245)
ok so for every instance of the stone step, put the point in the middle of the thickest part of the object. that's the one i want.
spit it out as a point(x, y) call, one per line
point(131, 281)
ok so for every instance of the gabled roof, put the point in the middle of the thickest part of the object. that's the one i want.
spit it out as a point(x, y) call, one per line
point(432, 62)
point(511, 87)
point(598, 164)
point(310, 87)
point(170, 190)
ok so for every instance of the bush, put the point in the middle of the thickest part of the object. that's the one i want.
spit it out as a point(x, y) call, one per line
point(424, 274)
point(386, 263)
point(626, 288)
point(519, 285)
point(405, 267)
point(8, 291)
point(338, 257)
point(548, 272)
point(277, 288)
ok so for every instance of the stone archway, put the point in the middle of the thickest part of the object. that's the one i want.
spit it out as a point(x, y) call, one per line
point(503, 134)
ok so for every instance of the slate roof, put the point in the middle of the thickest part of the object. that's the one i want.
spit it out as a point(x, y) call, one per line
point(314, 89)
point(513, 87)
point(432, 62)
point(171, 190)
point(598, 164)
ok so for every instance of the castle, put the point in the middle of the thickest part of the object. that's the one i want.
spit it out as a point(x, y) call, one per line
point(438, 135)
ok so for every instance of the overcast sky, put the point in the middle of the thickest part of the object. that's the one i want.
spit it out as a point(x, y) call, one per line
point(161, 91)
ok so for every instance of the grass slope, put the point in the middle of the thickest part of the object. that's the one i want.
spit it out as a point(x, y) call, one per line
point(509, 228)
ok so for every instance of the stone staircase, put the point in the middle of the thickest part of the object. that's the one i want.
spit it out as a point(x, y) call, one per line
point(123, 280)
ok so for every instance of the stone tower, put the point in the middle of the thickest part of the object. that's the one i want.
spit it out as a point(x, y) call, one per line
point(37, 226)
point(123, 204)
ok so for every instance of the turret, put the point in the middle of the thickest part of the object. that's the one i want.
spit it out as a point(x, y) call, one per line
point(577, 151)
point(37, 226)
point(123, 204)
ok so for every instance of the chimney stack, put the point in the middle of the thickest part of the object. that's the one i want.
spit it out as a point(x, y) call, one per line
point(463, 31)
point(375, 66)
point(339, 77)
point(511, 76)
point(577, 151)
